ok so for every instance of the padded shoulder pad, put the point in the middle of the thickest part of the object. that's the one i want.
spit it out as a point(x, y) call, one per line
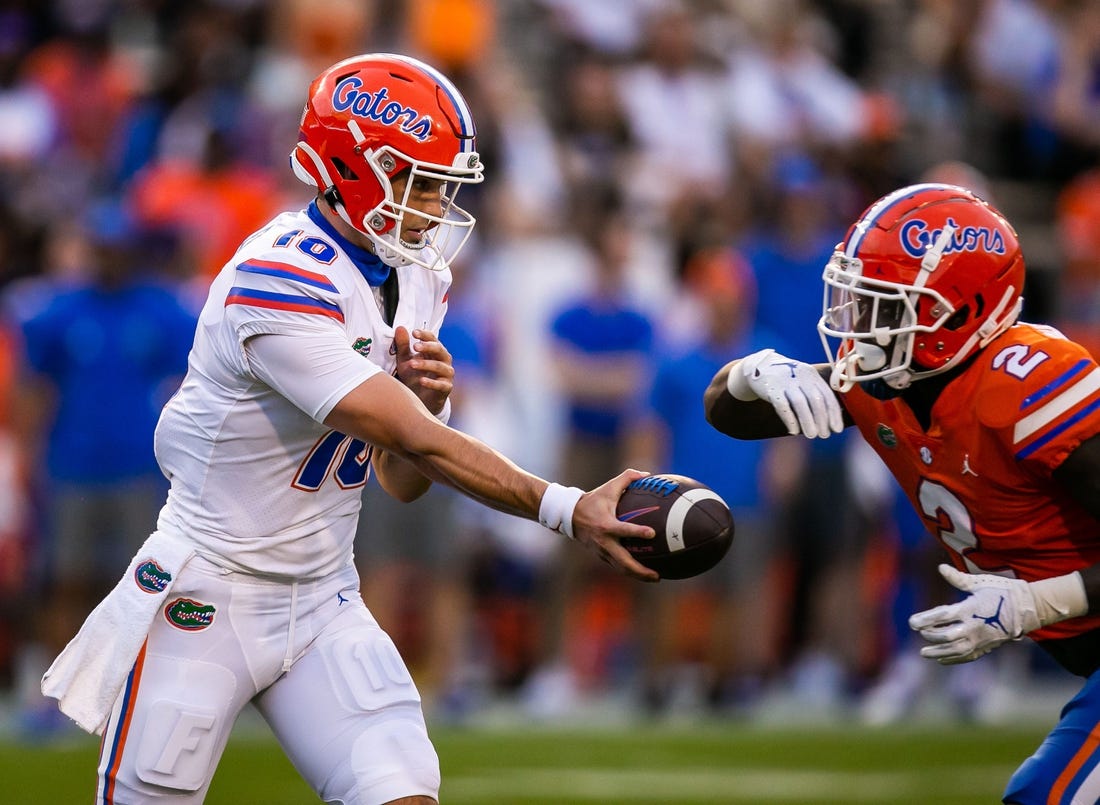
point(1040, 385)
point(280, 291)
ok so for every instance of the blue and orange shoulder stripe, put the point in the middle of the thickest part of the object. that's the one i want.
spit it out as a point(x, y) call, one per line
point(295, 283)
point(1068, 402)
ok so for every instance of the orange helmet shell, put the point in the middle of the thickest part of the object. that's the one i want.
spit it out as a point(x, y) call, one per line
point(371, 117)
point(944, 262)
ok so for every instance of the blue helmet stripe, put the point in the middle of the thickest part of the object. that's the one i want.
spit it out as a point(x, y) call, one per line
point(465, 118)
point(864, 224)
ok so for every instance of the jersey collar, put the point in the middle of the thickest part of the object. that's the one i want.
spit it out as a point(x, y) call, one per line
point(370, 265)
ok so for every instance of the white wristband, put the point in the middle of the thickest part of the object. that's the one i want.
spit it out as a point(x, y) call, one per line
point(556, 508)
point(738, 385)
point(444, 415)
point(1060, 598)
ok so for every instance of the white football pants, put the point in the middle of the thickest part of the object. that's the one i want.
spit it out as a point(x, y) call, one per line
point(312, 659)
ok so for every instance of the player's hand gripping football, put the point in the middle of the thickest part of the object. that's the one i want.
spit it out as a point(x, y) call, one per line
point(425, 366)
point(596, 525)
point(799, 394)
point(997, 610)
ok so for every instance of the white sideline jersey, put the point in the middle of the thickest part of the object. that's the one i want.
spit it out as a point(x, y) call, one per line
point(257, 482)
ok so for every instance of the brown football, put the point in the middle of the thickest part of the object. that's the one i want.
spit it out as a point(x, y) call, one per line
point(693, 524)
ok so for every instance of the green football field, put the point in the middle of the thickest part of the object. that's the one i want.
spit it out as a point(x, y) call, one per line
point(684, 765)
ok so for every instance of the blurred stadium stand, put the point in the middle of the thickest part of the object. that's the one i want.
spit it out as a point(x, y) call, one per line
point(185, 113)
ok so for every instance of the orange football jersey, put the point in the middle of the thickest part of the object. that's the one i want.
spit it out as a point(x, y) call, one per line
point(980, 477)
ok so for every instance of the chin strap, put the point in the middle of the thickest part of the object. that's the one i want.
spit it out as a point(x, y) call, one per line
point(993, 327)
point(387, 253)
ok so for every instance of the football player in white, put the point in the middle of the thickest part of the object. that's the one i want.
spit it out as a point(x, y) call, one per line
point(315, 362)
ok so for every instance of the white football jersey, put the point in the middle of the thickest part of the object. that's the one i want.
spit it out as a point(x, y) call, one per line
point(258, 483)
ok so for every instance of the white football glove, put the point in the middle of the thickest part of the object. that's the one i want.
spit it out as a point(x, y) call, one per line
point(997, 610)
point(800, 395)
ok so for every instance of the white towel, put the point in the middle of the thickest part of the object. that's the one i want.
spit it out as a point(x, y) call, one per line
point(88, 675)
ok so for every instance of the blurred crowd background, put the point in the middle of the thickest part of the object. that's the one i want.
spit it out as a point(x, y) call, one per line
point(665, 181)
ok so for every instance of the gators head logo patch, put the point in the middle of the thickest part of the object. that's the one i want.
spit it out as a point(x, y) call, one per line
point(189, 615)
point(151, 577)
point(362, 346)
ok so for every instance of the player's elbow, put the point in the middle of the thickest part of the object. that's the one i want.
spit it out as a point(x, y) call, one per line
point(399, 478)
point(710, 401)
point(748, 420)
point(719, 407)
point(407, 493)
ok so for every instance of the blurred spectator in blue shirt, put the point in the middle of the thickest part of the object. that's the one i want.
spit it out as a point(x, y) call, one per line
point(103, 357)
point(818, 526)
point(739, 639)
point(602, 342)
point(602, 345)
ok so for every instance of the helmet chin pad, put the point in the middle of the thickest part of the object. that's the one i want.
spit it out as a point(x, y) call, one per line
point(389, 252)
point(871, 357)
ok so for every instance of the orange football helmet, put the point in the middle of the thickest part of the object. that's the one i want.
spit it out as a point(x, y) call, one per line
point(926, 276)
point(367, 120)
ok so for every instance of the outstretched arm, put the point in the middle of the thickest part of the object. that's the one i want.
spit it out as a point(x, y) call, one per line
point(741, 419)
point(766, 394)
point(383, 412)
point(313, 368)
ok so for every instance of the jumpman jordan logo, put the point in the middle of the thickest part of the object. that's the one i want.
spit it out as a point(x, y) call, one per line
point(966, 466)
point(790, 364)
point(341, 599)
point(995, 618)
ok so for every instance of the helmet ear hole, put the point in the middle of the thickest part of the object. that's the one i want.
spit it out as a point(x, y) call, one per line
point(959, 318)
point(344, 169)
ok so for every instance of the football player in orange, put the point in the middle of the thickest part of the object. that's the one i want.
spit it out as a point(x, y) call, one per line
point(990, 425)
